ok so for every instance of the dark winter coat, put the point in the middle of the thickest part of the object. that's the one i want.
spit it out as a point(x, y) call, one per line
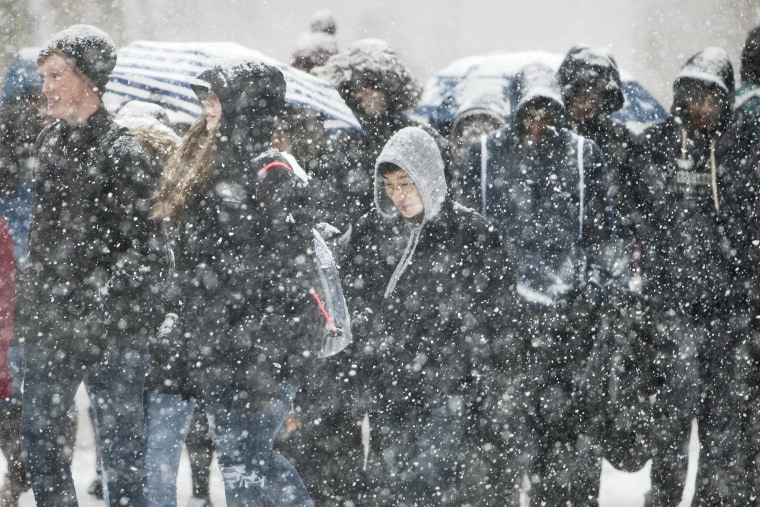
point(619, 368)
point(429, 297)
point(243, 261)
point(86, 283)
point(593, 68)
point(691, 259)
point(558, 237)
point(20, 125)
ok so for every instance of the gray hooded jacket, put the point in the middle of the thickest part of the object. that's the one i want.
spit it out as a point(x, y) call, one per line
point(413, 150)
point(427, 294)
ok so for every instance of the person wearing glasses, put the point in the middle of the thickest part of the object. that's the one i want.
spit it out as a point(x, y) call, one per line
point(430, 287)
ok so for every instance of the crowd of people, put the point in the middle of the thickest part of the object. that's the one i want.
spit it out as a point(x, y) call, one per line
point(533, 289)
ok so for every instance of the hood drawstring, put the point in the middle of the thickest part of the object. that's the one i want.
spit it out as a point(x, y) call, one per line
point(365, 439)
point(406, 259)
point(713, 168)
point(714, 177)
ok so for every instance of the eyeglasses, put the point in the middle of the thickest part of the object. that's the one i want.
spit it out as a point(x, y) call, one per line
point(403, 188)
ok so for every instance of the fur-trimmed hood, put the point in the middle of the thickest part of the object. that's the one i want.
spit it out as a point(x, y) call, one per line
point(371, 61)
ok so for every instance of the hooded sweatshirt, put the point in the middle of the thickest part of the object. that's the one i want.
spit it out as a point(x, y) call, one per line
point(551, 204)
point(416, 150)
point(590, 69)
point(696, 185)
point(429, 295)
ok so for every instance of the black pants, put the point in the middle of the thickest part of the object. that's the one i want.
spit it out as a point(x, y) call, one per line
point(564, 462)
point(703, 383)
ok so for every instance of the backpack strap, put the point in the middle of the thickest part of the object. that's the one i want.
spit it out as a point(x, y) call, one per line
point(581, 184)
point(483, 171)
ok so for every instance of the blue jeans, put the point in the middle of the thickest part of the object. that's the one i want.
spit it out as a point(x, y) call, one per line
point(115, 386)
point(167, 421)
point(417, 456)
point(252, 469)
point(16, 368)
point(10, 415)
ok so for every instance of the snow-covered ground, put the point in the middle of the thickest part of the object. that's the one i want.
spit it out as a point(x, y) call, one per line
point(619, 489)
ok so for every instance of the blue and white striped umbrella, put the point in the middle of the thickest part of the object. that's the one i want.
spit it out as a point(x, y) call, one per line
point(161, 72)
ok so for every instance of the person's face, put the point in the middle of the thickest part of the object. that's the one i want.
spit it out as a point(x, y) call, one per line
point(470, 131)
point(372, 101)
point(535, 124)
point(212, 107)
point(68, 93)
point(400, 189)
point(281, 141)
point(583, 105)
point(704, 108)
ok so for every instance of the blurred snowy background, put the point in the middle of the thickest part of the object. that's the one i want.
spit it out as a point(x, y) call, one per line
point(649, 38)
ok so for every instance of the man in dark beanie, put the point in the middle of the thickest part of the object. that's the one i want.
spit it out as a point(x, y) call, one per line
point(83, 310)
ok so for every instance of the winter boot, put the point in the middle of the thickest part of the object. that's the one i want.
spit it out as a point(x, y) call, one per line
point(16, 481)
point(14, 485)
point(96, 486)
point(199, 502)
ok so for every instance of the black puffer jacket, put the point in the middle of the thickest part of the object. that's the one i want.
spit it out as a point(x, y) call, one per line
point(243, 261)
point(440, 292)
point(86, 285)
point(693, 253)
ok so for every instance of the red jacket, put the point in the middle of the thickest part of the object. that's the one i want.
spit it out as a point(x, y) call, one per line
point(7, 304)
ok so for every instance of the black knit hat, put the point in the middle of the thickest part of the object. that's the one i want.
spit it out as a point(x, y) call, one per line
point(89, 48)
